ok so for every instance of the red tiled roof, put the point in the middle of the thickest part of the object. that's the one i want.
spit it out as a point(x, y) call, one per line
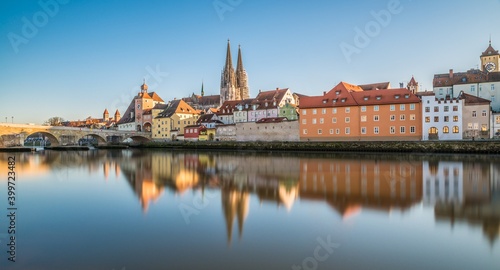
point(471, 76)
point(412, 81)
point(339, 96)
point(386, 96)
point(490, 51)
point(473, 100)
point(277, 94)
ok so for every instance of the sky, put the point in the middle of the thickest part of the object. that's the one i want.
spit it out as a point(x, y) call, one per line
point(75, 58)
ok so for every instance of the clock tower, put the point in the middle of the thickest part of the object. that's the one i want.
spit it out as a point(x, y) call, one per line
point(490, 60)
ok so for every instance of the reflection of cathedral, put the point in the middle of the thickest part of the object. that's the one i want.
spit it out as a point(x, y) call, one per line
point(235, 204)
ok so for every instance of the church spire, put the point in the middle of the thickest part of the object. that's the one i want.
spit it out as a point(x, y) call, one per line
point(202, 91)
point(239, 66)
point(229, 60)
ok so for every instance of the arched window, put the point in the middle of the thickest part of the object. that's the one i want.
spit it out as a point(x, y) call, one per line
point(455, 129)
point(433, 130)
point(446, 129)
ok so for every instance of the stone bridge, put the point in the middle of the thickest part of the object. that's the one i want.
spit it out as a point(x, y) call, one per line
point(15, 134)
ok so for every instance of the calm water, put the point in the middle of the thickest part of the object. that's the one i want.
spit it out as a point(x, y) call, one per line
point(185, 210)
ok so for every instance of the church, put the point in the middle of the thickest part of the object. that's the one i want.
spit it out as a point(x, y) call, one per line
point(234, 84)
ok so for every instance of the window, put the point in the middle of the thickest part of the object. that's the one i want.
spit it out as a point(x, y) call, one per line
point(347, 110)
point(304, 121)
point(472, 88)
point(337, 131)
point(436, 118)
point(402, 107)
point(363, 130)
point(314, 111)
point(412, 107)
point(402, 129)
point(402, 117)
point(304, 112)
point(375, 130)
point(433, 130)
point(492, 98)
point(347, 120)
point(331, 131)
point(320, 131)
point(492, 87)
point(314, 121)
point(393, 130)
point(334, 110)
point(412, 129)
point(469, 125)
point(304, 131)
point(334, 120)
point(375, 108)
point(321, 120)
point(483, 113)
point(363, 108)
point(393, 117)
point(446, 129)
point(363, 118)
point(323, 111)
point(484, 127)
point(455, 129)
point(455, 108)
point(375, 118)
point(436, 108)
point(347, 130)
point(446, 119)
point(393, 107)
point(497, 119)
point(427, 119)
point(474, 113)
point(446, 108)
point(455, 118)
point(412, 117)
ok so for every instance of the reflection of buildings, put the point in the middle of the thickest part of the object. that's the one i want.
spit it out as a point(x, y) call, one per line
point(140, 176)
point(235, 204)
point(443, 182)
point(350, 184)
point(480, 205)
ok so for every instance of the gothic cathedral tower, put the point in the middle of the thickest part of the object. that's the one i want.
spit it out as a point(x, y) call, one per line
point(233, 85)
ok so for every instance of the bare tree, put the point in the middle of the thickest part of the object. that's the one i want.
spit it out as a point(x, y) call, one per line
point(54, 121)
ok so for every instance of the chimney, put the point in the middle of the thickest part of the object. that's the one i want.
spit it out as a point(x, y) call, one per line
point(451, 73)
point(324, 93)
point(277, 88)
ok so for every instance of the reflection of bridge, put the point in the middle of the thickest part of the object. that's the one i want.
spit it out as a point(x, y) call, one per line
point(15, 134)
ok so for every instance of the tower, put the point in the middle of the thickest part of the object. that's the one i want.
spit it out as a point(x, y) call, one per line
point(105, 115)
point(228, 80)
point(490, 59)
point(241, 78)
point(234, 85)
point(413, 85)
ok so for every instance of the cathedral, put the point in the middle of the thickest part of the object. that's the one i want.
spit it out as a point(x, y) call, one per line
point(233, 85)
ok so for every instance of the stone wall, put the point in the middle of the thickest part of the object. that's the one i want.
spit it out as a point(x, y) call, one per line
point(275, 131)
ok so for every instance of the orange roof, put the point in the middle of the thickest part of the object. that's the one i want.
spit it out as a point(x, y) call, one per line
point(386, 96)
point(375, 86)
point(339, 96)
point(106, 111)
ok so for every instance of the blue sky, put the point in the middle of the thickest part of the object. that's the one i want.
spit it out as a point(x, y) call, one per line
point(74, 58)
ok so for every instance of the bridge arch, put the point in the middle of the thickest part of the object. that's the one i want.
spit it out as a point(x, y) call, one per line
point(100, 139)
point(54, 141)
point(137, 138)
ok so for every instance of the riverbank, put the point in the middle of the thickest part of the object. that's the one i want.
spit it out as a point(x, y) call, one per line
point(462, 147)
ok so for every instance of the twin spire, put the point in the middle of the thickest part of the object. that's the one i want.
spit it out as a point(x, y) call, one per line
point(234, 84)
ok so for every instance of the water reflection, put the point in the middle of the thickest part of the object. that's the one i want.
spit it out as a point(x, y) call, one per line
point(461, 189)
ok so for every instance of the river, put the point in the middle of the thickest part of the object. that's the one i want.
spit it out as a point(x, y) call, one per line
point(158, 209)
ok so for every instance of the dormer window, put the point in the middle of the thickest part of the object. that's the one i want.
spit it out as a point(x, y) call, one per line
point(334, 101)
point(365, 98)
point(378, 97)
point(325, 101)
point(407, 96)
point(337, 92)
point(396, 96)
point(342, 100)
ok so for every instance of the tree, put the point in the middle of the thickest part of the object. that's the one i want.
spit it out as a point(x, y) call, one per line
point(54, 121)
